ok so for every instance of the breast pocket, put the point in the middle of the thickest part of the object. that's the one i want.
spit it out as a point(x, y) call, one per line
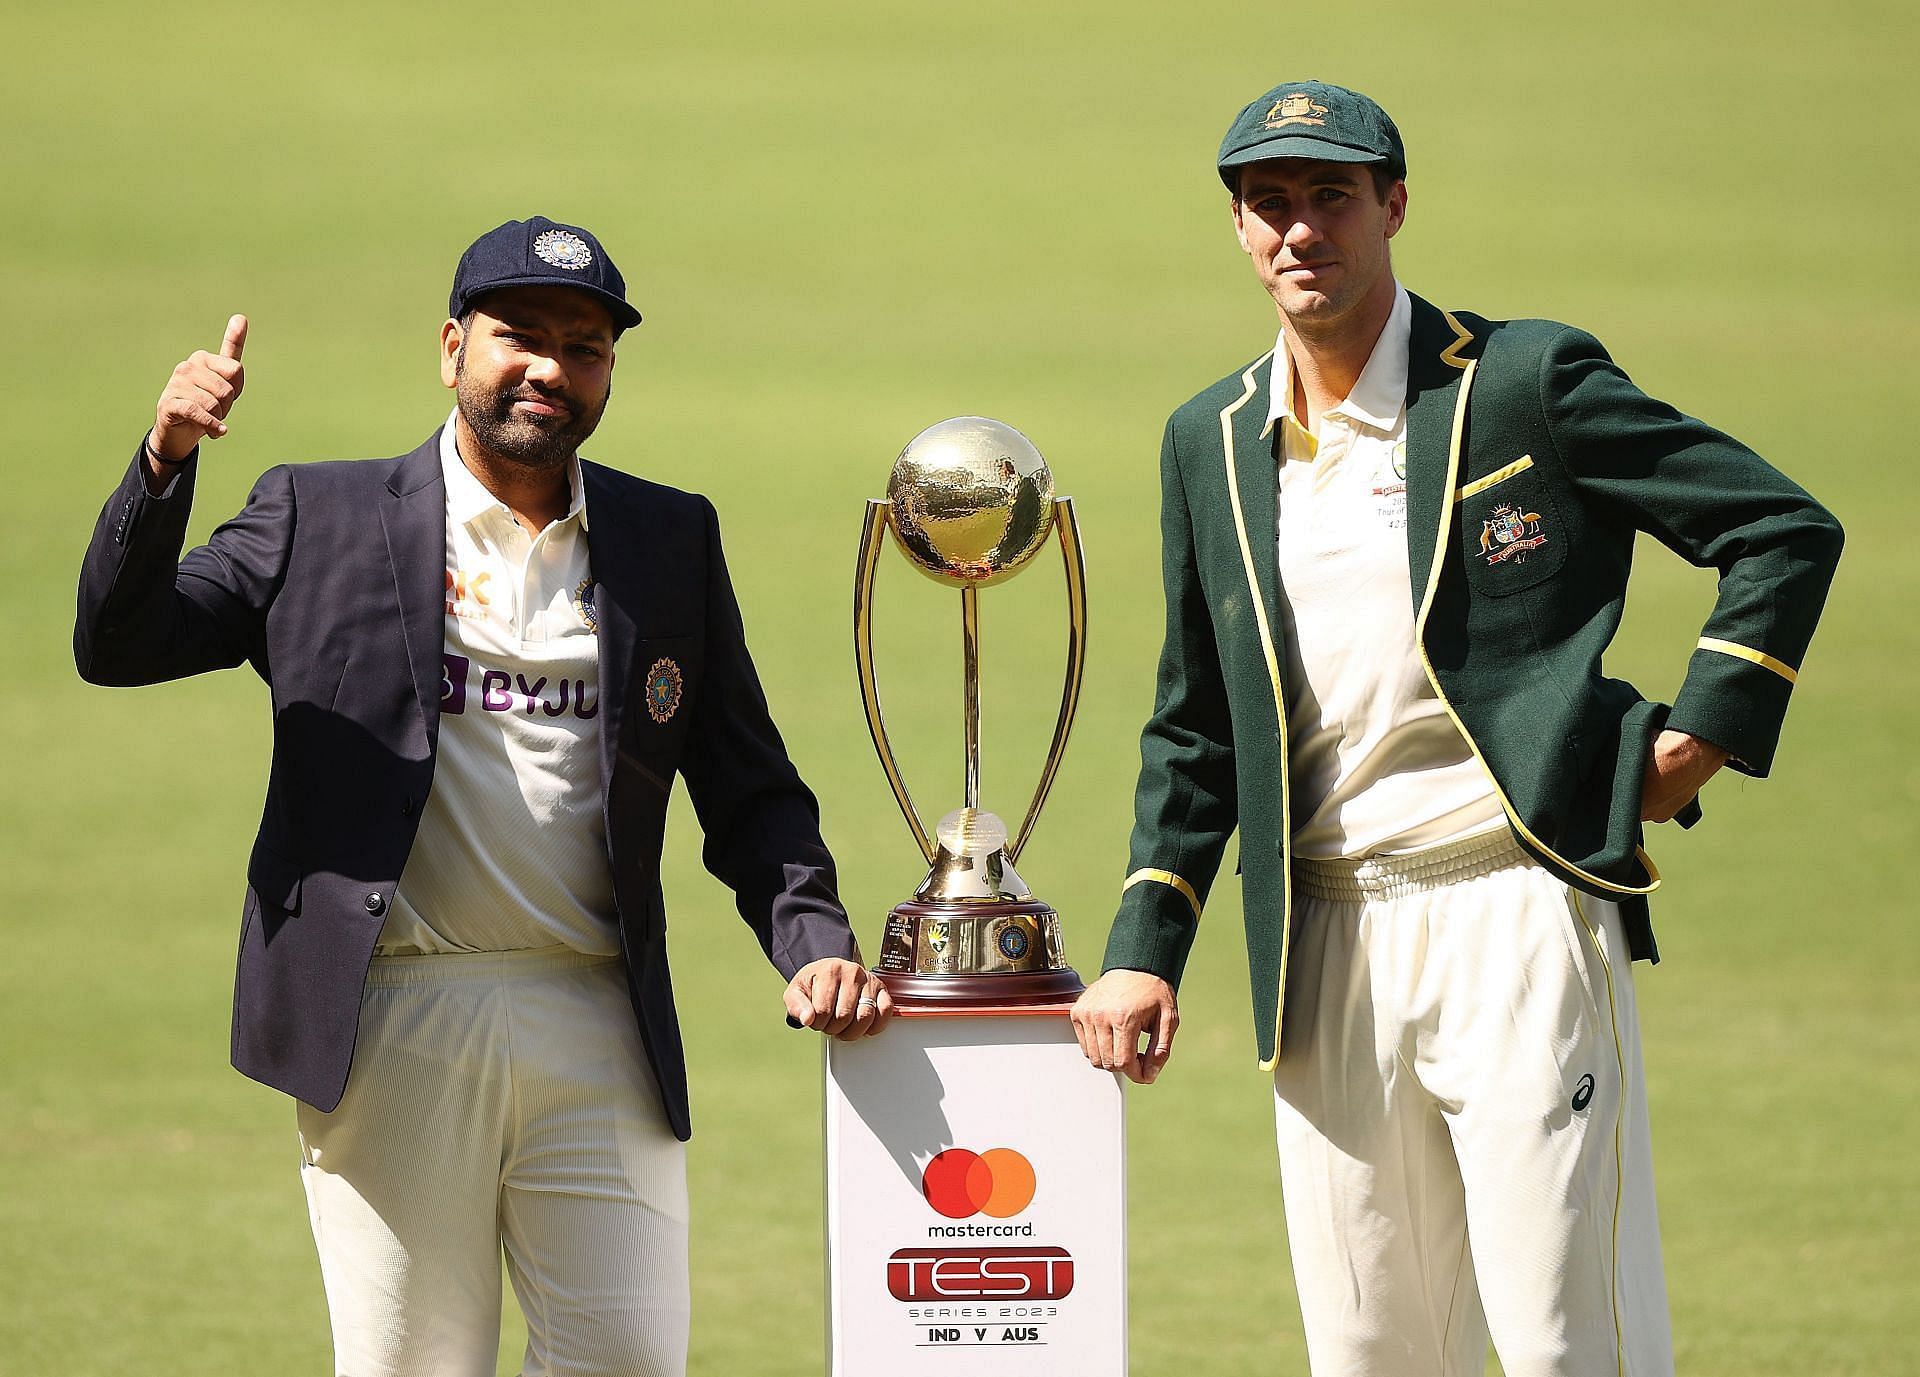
point(1510, 529)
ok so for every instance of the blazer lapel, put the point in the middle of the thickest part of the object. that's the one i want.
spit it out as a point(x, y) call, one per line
point(1441, 349)
point(414, 519)
point(616, 606)
point(1251, 467)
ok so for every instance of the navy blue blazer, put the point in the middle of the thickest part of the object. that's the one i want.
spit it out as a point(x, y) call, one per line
point(331, 584)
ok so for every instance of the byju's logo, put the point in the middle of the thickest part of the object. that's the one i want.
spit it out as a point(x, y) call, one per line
point(1583, 1093)
point(959, 1184)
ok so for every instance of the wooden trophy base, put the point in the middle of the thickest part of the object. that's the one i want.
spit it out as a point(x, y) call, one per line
point(1036, 992)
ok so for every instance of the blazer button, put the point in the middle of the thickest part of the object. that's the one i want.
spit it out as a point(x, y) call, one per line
point(375, 903)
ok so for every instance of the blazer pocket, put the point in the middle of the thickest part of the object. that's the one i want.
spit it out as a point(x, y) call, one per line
point(1511, 533)
point(1499, 475)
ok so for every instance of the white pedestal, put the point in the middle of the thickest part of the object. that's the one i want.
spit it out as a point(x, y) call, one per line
point(1018, 1273)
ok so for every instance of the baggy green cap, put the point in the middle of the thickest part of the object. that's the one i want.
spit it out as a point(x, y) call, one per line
point(1310, 119)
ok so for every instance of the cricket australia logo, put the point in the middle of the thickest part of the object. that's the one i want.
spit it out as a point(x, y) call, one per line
point(1295, 108)
point(1509, 534)
point(663, 689)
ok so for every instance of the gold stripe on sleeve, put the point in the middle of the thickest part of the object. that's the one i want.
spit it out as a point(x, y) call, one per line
point(1500, 475)
point(1165, 877)
point(1748, 653)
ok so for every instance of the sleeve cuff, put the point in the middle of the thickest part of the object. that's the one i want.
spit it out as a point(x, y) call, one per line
point(1736, 697)
point(1154, 930)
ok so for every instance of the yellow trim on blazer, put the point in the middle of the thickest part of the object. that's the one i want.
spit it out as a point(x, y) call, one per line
point(1462, 337)
point(1499, 475)
point(1440, 545)
point(1273, 673)
point(1165, 877)
point(1748, 653)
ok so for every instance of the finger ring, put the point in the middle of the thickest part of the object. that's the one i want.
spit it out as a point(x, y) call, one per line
point(864, 1001)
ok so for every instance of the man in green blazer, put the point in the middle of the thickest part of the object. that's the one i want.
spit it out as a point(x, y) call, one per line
point(1395, 548)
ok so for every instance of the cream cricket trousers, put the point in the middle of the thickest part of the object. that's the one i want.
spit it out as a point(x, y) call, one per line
point(499, 1098)
point(1462, 1123)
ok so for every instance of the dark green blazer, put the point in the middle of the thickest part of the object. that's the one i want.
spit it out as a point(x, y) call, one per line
point(1532, 461)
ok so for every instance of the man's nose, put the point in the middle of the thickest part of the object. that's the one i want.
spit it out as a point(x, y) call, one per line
point(1300, 232)
point(545, 370)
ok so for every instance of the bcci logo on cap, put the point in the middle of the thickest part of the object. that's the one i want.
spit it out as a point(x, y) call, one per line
point(563, 249)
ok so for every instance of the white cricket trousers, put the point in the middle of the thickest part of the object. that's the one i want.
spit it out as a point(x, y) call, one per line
point(499, 1098)
point(1462, 1123)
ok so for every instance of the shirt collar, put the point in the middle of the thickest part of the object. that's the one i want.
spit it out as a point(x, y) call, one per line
point(468, 498)
point(1380, 393)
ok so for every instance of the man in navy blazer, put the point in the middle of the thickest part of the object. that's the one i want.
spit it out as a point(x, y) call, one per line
point(523, 939)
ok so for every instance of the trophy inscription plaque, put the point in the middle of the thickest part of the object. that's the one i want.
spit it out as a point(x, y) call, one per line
point(970, 503)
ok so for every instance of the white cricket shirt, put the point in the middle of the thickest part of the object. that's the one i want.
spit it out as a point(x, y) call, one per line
point(512, 848)
point(1376, 764)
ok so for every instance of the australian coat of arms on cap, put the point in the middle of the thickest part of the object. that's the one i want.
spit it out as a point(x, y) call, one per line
point(563, 249)
point(663, 689)
point(1295, 109)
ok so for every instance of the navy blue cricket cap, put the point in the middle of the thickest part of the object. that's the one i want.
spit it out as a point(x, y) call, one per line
point(1311, 119)
point(540, 253)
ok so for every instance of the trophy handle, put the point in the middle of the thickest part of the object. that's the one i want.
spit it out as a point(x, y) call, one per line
point(872, 536)
point(1076, 571)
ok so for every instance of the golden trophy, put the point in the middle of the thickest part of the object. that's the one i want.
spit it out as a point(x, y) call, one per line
point(970, 503)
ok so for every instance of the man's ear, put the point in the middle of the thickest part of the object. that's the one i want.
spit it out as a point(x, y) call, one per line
point(451, 339)
point(1396, 208)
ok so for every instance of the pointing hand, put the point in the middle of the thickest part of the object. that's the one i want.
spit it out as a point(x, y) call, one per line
point(198, 397)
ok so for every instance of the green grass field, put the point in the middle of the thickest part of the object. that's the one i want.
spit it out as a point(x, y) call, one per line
point(844, 223)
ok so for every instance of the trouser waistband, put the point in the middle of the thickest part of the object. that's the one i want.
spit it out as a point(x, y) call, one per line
point(445, 968)
point(1410, 872)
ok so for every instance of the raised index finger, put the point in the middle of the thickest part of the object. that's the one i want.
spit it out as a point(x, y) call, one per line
point(236, 339)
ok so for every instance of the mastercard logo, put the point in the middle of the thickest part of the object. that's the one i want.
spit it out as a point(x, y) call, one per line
point(959, 1183)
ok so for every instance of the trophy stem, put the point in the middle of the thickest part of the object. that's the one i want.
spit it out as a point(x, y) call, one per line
point(871, 536)
point(1076, 571)
point(970, 689)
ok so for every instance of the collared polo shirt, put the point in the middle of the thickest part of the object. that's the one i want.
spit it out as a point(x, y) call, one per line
point(512, 849)
point(1376, 765)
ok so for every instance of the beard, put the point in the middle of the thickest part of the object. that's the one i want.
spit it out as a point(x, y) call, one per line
point(543, 443)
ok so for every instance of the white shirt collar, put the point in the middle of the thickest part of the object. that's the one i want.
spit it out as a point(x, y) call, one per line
point(1380, 393)
point(468, 498)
